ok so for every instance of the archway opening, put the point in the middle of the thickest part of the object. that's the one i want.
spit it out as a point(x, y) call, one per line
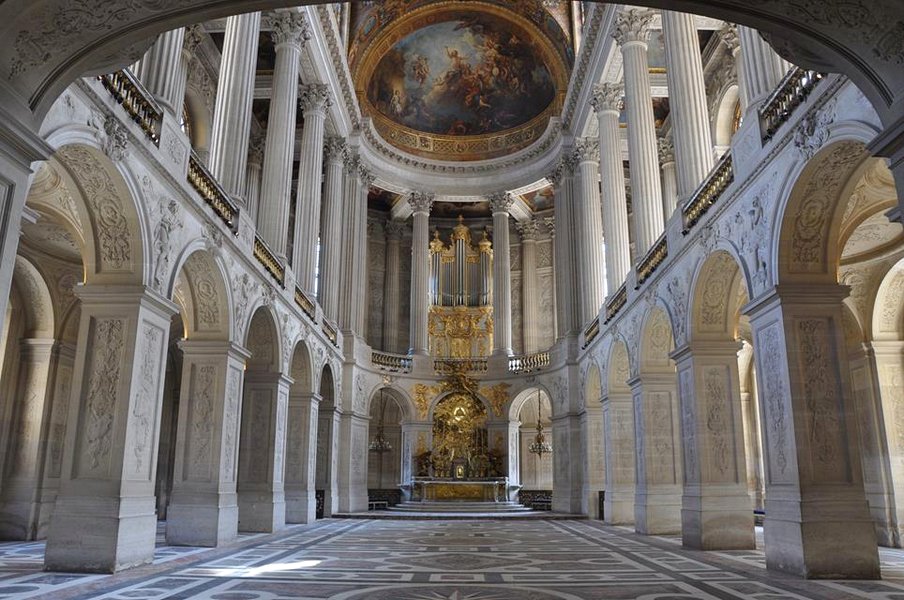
point(385, 451)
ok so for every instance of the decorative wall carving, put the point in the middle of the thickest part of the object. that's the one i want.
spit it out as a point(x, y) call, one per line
point(231, 408)
point(102, 388)
point(718, 420)
point(201, 414)
point(771, 357)
point(143, 419)
point(168, 226)
point(498, 396)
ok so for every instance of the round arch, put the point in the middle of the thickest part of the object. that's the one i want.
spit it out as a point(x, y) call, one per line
point(327, 387)
point(263, 341)
point(301, 366)
point(715, 296)
point(619, 370)
point(725, 115)
point(888, 312)
point(37, 302)
point(524, 395)
point(401, 397)
point(199, 287)
point(656, 342)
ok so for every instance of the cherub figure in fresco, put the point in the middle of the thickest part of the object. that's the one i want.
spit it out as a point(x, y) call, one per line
point(420, 69)
point(458, 63)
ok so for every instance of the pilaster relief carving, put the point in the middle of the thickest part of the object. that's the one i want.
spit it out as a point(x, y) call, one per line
point(718, 426)
point(280, 440)
point(102, 386)
point(689, 426)
point(608, 97)
point(772, 357)
point(231, 408)
point(60, 414)
point(676, 290)
point(290, 27)
point(144, 406)
point(201, 413)
point(360, 398)
point(633, 25)
point(167, 228)
point(661, 436)
point(243, 289)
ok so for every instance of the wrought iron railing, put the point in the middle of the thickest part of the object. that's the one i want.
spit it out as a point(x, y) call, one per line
point(446, 366)
point(137, 101)
point(655, 257)
point(212, 193)
point(265, 257)
point(306, 305)
point(793, 89)
point(616, 302)
point(528, 363)
point(330, 331)
point(709, 192)
point(388, 361)
point(591, 332)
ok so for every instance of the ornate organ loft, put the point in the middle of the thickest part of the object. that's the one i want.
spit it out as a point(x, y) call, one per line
point(460, 323)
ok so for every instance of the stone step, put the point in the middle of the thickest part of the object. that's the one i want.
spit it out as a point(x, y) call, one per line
point(461, 506)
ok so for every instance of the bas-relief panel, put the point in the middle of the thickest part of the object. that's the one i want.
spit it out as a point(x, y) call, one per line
point(546, 314)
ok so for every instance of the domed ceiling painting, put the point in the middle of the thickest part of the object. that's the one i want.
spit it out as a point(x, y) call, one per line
point(460, 80)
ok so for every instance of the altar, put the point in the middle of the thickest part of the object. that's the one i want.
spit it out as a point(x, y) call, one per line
point(441, 489)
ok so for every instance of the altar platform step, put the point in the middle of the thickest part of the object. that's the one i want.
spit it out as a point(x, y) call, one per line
point(457, 510)
point(437, 506)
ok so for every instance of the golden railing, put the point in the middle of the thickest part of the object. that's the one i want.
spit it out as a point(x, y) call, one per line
point(708, 192)
point(793, 89)
point(447, 366)
point(394, 363)
point(616, 302)
point(655, 257)
point(330, 331)
point(271, 264)
point(591, 332)
point(306, 305)
point(211, 192)
point(529, 362)
point(137, 101)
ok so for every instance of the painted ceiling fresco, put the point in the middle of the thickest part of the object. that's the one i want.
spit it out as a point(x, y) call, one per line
point(460, 80)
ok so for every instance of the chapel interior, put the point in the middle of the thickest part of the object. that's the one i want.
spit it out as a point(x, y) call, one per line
point(446, 299)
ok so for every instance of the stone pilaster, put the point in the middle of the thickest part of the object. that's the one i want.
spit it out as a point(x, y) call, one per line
point(328, 458)
point(421, 203)
point(594, 455)
point(632, 32)
point(301, 458)
point(289, 35)
point(618, 429)
point(314, 103)
point(162, 71)
point(568, 454)
point(550, 223)
point(607, 102)
point(352, 472)
point(253, 177)
point(669, 177)
point(331, 227)
point(391, 286)
point(530, 310)
point(500, 204)
point(589, 222)
point(354, 238)
point(232, 111)
point(565, 270)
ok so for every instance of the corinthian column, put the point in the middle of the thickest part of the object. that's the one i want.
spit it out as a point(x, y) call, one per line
point(314, 103)
point(162, 70)
point(500, 204)
point(632, 32)
point(232, 112)
point(687, 98)
point(762, 70)
point(391, 285)
point(331, 227)
point(289, 34)
point(564, 271)
point(529, 288)
point(607, 101)
point(669, 179)
point(589, 224)
point(253, 175)
point(421, 203)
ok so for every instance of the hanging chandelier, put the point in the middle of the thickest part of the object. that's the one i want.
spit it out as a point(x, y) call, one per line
point(539, 446)
point(380, 444)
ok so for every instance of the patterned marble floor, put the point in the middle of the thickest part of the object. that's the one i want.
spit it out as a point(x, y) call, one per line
point(441, 560)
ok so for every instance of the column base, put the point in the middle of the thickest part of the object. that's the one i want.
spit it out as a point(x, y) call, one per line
point(717, 522)
point(261, 512)
point(101, 535)
point(619, 508)
point(301, 506)
point(208, 522)
point(658, 513)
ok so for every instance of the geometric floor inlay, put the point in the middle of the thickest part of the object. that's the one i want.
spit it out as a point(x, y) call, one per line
point(442, 560)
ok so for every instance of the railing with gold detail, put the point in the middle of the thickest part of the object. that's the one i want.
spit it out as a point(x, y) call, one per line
point(529, 362)
point(709, 192)
point(137, 101)
point(306, 305)
point(271, 264)
point(655, 257)
point(591, 332)
point(332, 334)
point(616, 302)
point(791, 92)
point(388, 361)
point(212, 193)
point(447, 366)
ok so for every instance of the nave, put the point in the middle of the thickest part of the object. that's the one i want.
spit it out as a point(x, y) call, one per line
point(442, 559)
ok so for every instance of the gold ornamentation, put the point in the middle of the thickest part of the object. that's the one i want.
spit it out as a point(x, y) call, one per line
point(498, 397)
point(422, 396)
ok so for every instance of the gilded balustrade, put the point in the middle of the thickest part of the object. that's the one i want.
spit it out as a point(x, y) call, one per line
point(616, 302)
point(305, 304)
point(212, 193)
point(271, 264)
point(791, 92)
point(708, 193)
point(655, 257)
point(136, 100)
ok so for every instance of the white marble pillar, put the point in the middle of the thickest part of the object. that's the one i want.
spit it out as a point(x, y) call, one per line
point(669, 177)
point(594, 456)
point(301, 458)
point(289, 34)
point(331, 227)
point(327, 458)
point(352, 471)
point(354, 252)
point(232, 110)
point(203, 509)
point(162, 71)
point(500, 204)
point(253, 177)
point(550, 223)
point(569, 453)
point(687, 98)
point(607, 102)
point(564, 272)
point(618, 428)
point(391, 285)
point(762, 70)
point(589, 229)
point(314, 102)
point(421, 203)
point(105, 516)
point(530, 310)
point(632, 32)
point(366, 178)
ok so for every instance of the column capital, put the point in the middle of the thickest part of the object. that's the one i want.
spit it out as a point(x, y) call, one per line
point(730, 37)
point(666, 148)
point(633, 26)
point(334, 148)
point(394, 229)
point(608, 97)
point(366, 175)
point(587, 150)
point(314, 97)
point(501, 202)
point(291, 28)
point(528, 230)
point(421, 202)
point(351, 160)
point(256, 149)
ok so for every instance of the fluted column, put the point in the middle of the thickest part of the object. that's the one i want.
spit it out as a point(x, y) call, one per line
point(314, 103)
point(232, 111)
point(669, 178)
point(359, 304)
point(391, 285)
point(687, 99)
point(421, 203)
point(762, 70)
point(550, 223)
point(349, 287)
point(331, 227)
point(289, 34)
point(565, 271)
point(607, 101)
point(500, 204)
point(253, 178)
point(589, 228)
point(632, 33)
point(162, 70)
point(530, 310)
